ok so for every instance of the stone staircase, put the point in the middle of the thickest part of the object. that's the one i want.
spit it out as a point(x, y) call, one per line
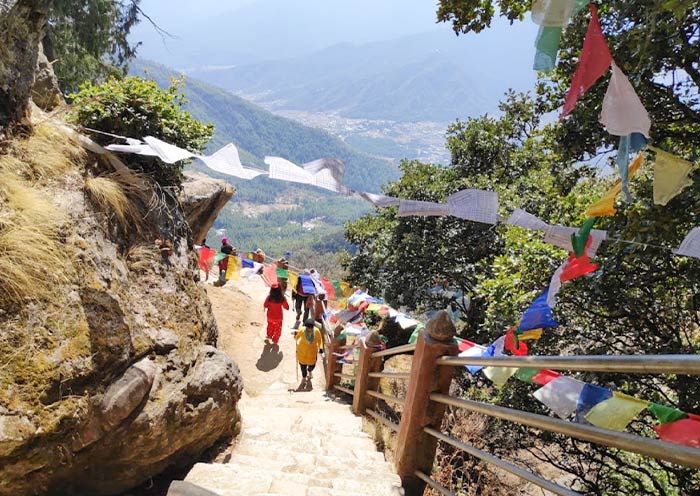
point(299, 444)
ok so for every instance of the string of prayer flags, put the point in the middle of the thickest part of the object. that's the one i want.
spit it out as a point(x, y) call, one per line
point(685, 431)
point(623, 113)
point(671, 176)
point(307, 284)
point(538, 314)
point(233, 268)
point(422, 209)
point(690, 247)
point(606, 205)
point(561, 395)
point(666, 414)
point(594, 61)
point(616, 412)
point(590, 396)
point(475, 205)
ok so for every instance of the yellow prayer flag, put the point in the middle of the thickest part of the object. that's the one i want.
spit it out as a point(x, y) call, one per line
point(616, 412)
point(670, 176)
point(374, 307)
point(293, 279)
point(606, 205)
point(532, 335)
point(233, 269)
point(347, 289)
point(499, 375)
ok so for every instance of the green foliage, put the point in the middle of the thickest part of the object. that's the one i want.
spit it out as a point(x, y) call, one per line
point(135, 107)
point(88, 39)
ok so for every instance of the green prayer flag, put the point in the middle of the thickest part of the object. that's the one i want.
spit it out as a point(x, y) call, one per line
point(580, 238)
point(337, 288)
point(415, 333)
point(666, 414)
point(282, 273)
point(547, 46)
point(527, 374)
point(219, 257)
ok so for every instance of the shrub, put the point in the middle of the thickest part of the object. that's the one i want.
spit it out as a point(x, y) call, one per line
point(134, 107)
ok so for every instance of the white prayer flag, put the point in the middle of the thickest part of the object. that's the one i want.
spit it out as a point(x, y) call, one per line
point(381, 201)
point(521, 218)
point(133, 146)
point(561, 236)
point(227, 161)
point(560, 395)
point(623, 112)
point(555, 285)
point(552, 12)
point(166, 152)
point(324, 173)
point(422, 209)
point(690, 247)
point(334, 166)
point(475, 205)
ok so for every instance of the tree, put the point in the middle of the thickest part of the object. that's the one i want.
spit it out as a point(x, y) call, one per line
point(87, 39)
point(135, 108)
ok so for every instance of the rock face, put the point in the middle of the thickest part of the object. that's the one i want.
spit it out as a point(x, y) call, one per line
point(21, 28)
point(113, 376)
point(45, 91)
point(202, 198)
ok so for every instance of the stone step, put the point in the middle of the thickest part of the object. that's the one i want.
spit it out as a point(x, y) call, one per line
point(324, 491)
point(217, 478)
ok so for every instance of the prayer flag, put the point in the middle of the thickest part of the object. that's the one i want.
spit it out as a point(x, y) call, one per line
point(577, 267)
point(666, 414)
point(206, 258)
point(422, 209)
point(590, 396)
point(415, 333)
point(545, 376)
point(538, 314)
point(330, 291)
point(270, 275)
point(521, 218)
point(553, 12)
point(381, 201)
point(623, 112)
point(347, 288)
point(227, 161)
point(293, 279)
point(514, 344)
point(555, 285)
point(561, 236)
point(166, 152)
point(337, 287)
point(233, 269)
point(546, 48)
point(499, 375)
point(560, 395)
point(684, 431)
point(532, 335)
point(219, 257)
point(616, 412)
point(623, 162)
point(307, 284)
point(690, 247)
point(474, 351)
point(526, 374)
point(606, 205)
point(595, 59)
point(475, 205)
point(580, 239)
point(248, 264)
point(670, 176)
point(282, 273)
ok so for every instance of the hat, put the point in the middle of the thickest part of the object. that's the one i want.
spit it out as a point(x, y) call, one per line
point(309, 323)
point(224, 239)
point(282, 260)
point(258, 250)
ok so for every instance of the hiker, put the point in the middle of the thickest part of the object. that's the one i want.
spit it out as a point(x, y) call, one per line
point(309, 344)
point(223, 263)
point(259, 256)
point(284, 265)
point(320, 307)
point(204, 243)
point(274, 303)
point(301, 301)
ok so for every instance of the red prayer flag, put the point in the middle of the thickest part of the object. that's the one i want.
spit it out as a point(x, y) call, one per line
point(545, 376)
point(330, 291)
point(270, 275)
point(509, 344)
point(684, 431)
point(206, 258)
point(465, 344)
point(577, 267)
point(594, 61)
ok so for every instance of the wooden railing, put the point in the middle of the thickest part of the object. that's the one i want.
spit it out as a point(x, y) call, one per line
point(427, 398)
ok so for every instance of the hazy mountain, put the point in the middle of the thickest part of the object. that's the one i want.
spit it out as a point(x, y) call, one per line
point(432, 76)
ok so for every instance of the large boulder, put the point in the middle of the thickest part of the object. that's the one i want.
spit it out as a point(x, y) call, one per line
point(22, 25)
point(112, 375)
point(202, 198)
point(45, 91)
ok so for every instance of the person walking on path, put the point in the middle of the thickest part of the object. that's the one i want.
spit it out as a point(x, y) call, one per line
point(274, 303)
point(309, 343)
point(301, 301)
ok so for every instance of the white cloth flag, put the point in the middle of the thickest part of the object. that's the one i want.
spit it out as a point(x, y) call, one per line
point(521, 218)
point(227, 161)
point(166, 152)
point(134, 146)
point(560, 395)
point(499, 375)
point(561, 236)
point(555, 285)
point(623, 112)
point(475, 205)
point(690, 247)
point(552, 12)
point(381, 201)
point(325, 173)
point(422, 209)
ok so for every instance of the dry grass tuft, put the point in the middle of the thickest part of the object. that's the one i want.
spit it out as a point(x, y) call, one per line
point(116, 194)
point(48, 153)
point(141, 258)
point(32, 257)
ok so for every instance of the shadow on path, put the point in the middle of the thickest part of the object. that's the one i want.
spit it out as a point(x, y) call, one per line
point(270, 357)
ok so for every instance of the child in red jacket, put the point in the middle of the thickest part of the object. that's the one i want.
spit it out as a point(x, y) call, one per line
point(274, 303)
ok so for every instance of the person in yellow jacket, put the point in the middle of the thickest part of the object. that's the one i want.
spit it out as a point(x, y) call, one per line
point(309, 343)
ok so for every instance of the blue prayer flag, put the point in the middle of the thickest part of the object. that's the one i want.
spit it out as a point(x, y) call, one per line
point(307, 284)
point(590, 396)
point(538, 315)
point(247, 263)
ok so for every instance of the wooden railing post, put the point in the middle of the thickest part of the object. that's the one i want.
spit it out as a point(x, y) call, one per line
point(332, 365)
point(416, 450)
point(366, 364)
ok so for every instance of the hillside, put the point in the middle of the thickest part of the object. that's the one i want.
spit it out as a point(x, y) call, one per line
point(432, 76)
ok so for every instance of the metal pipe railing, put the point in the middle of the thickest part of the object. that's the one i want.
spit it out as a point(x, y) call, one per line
point(498, 462)
point(689, 457)
point(386, 397)
point(635, 364)
point(438, 487)
point(405, 348)
point(391, 425)
point(390, 375)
